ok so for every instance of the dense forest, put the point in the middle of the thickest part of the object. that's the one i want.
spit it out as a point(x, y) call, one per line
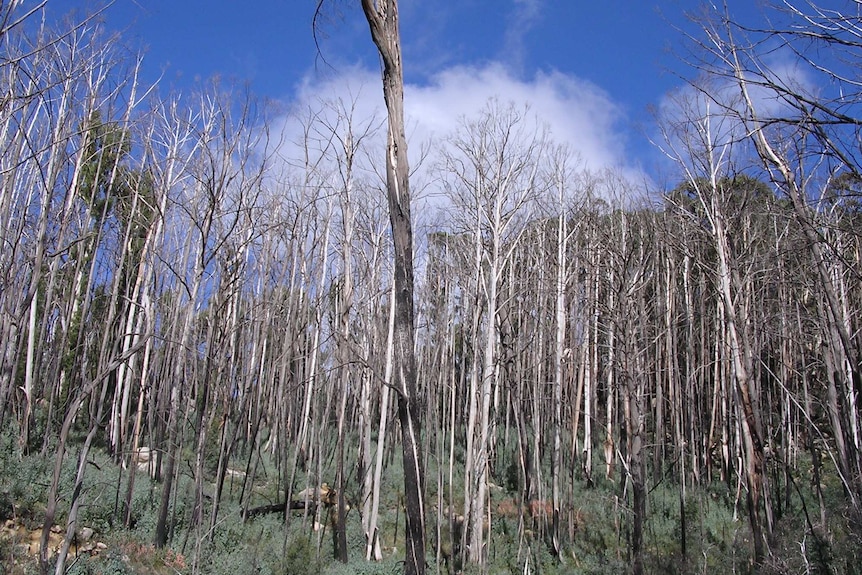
point(197, 322)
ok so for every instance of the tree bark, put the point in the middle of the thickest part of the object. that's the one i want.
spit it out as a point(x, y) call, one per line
point(382, 17)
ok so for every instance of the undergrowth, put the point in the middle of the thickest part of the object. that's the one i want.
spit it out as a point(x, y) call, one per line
point(595, 539)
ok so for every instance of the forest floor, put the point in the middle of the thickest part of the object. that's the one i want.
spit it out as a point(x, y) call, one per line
point(715, 537)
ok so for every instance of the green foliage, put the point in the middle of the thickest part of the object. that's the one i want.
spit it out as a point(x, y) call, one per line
point(106, 144)
point(300, 558)
point(22, 484)
point(112, 563)
point(361, 567)
point(717, 535)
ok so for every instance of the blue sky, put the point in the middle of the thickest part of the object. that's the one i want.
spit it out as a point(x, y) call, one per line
point(619, 45)
point(590, 69)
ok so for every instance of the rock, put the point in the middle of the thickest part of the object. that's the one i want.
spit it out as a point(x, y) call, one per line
point(85, 534)
point(142, 455)
point(234, 472)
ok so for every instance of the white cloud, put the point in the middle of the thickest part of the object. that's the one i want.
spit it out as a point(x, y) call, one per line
point(711, 113)
point(578, 113)
point(525, 15)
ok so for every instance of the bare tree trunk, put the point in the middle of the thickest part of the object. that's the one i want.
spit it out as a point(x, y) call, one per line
point(382, 17)
point(610, 385)
point(676, 390)
point(589, 392)
point(163, 528)
point(741, 358)
point(783, 142)
point(77, 495)
point(372, 547)
point(563, 355)
point(714, 193)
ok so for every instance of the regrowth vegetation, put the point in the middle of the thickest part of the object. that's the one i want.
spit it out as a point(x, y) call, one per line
point(210, 357)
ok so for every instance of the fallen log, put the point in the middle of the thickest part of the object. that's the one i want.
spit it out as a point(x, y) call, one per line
point(279, 508)
point(306, 500)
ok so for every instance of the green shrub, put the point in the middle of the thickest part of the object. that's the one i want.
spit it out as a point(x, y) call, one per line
point(300, 558)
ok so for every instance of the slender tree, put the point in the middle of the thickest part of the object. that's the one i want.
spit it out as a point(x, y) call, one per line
point(803, 144)
point(382, 16)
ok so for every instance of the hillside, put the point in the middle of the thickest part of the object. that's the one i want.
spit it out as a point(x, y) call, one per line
point(233, 344)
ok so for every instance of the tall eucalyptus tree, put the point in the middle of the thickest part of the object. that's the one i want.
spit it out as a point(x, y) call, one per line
point(382, 16)
point(494, 175)
point(804, 142)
